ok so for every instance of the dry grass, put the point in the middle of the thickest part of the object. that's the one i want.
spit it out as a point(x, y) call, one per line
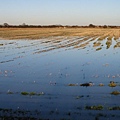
point(96, 44)
point(64, 37)
point(37, 33)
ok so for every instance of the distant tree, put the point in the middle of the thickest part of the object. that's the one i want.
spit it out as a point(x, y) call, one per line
point(23, 24)
point(105, 26)
point(5, 24)
point(91, 25)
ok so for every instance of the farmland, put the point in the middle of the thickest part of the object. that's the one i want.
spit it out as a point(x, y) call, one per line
point(59, 73)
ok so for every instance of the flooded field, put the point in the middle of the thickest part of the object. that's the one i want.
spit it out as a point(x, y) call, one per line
point(60, 77)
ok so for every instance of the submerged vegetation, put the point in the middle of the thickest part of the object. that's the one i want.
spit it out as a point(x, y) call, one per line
point(24, 93)
point(115, 93)
point(96, 44)
point(117, 45)
point(22, 114)
point(32, 93)
point(99, 107)
point(112, 84)
point(108, 43)
point(98, 49)
point(71, 84)
point(114, 108)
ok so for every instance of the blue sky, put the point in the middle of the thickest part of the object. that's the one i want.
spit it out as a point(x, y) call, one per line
point(65, 12)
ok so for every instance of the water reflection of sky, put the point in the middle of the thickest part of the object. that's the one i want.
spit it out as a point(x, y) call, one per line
point(72, 63)
point(35, 72)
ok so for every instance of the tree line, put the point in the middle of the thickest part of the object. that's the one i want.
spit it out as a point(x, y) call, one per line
point(6, 25)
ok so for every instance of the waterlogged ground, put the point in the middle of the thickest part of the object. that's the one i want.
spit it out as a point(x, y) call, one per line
point(43, 79)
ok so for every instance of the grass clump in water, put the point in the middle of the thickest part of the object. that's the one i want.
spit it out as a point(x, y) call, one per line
point(112, 84)
point(115, 93)
point(98, 49)
point(101, 84)
point(108, 43)
point(24, 93)
point(32, 93)
point(1, 44)
point(99, 107)
point(96, 44)
point(114, 108)
point(71, 84)
point(117, 45)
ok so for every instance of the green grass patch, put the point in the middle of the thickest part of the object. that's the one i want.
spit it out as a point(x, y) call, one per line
point(24, 93)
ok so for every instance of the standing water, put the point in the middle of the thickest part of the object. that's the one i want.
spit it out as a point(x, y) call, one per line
point(44, 80)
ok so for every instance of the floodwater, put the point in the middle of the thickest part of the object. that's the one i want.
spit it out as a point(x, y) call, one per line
point(47, 70)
